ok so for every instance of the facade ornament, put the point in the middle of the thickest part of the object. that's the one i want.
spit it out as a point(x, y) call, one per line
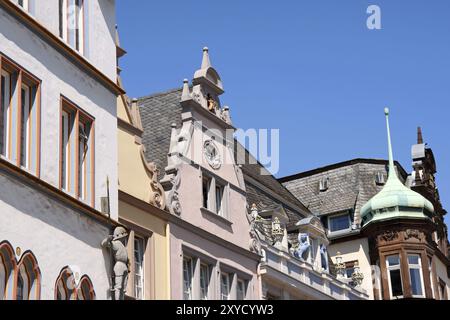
point(174, 197)
point(225, 115)
point(389, 235)
point(157, 197)
point(339, 266)
point(255, 244)
point(412, 233)
point(212, 103)
point(119, 256)
point(302, 248)
point(324, 257)
point(357, 276)
point(277, 230)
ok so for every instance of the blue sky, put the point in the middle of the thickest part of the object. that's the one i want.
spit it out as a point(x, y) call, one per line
point(310, 68)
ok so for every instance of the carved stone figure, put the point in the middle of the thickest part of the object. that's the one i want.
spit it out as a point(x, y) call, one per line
point(324, 257)
point(212, 104)
point(174, 199)
point(116, 243)
point(303, 246)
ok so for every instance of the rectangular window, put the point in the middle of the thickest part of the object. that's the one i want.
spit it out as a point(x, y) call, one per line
point(338, 223)
point(23, 4)
point(442, 290)
point(415, 275)
point(71, 23)
point(76, 152)
point(19, 116)
point(204, 281)
point(188, 275)
point(241, 290)
point(206, 185)
point(219, 199)
point(139, 250)
point(225, 285)
point(394, 276)
point(4, 110)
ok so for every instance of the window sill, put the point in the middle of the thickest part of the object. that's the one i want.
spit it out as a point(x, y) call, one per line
point(214, 215)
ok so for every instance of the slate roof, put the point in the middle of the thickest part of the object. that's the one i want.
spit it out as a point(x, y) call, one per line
point(158, 112)
point(262, 198)
point(351, 185)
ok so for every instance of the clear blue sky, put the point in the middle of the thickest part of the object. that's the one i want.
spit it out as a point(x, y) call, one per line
point(310, 68)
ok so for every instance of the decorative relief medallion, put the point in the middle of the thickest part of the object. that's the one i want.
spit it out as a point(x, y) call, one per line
point(389, 235)
point(212, 155)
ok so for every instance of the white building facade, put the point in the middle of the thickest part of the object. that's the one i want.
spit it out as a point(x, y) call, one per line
point(58, 129)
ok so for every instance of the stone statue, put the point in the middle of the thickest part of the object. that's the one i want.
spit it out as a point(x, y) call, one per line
point(324, 257)
point(303, 246)
point(212, 104)
point(116, 243)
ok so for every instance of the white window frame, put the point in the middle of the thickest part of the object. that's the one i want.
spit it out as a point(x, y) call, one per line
point(393, 268)
point(204, 282)
point(139, 266)
point(240, 282)
point(329, 218)
point(228, 286)
point(212, 203)
point(190, 293)
point(65, 120)
point(416, 267)
point(68, 21)
point(25, 4)
point(83, 152)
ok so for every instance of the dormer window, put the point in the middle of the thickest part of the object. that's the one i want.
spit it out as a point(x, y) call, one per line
point(379, 178)
point(324, 184)
point(339, 223)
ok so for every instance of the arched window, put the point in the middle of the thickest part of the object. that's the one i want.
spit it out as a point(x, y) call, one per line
point(8, 268)
point(67, 289)
point(28, 278)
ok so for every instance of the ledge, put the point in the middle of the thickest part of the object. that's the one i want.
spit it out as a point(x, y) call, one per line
point(214, 215)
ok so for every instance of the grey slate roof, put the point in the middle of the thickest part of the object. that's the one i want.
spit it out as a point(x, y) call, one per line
point(351, 185)
point(262, 198)
point(158, 112)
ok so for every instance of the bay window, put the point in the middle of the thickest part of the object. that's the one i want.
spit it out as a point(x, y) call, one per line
point(394, 276)
point(415, 276)
point(76, 152)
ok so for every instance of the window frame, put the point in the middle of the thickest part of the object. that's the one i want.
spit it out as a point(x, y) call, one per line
point(394, 268)
point(192, 275)
point(144, 241)
point(68, 107)
point(208, 281)
point(79, 32)
point(228, 283)
point(330, 217)
point(416, 267)
point(212, 204)
point(244, 291)
point(23, 78)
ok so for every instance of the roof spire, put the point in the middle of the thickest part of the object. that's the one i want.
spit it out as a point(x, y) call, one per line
point(419, 135)
point(206, 63)
point(392, 172)
point(185, 95)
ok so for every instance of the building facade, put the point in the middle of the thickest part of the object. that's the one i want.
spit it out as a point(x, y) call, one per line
point(189, 134)
point(386, 222)
point(58, 133)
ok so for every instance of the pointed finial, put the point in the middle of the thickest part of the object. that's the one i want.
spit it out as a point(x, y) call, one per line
point(185, 95)
point(419, 135)
point(392, 172)
point(205, 62)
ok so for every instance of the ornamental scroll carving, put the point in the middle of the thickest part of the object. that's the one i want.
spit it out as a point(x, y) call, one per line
point(412, 233)
point(157, 195)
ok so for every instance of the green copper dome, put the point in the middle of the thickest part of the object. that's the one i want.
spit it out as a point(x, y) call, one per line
point(395, 200)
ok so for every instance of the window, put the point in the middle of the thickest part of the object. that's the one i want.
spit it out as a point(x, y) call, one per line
point(415, 275)
point(442, 290)
point(394, 276)
point(188, 275)
point(206, 185)
point(219, 199)
point(204, 281)
point(241, 290)
point(72, 23)
point(139, 249)
point(379, 178)
point(225, 286)
point(19, 116)
point(338, 223)
point(22, 3)
point(76, 152)
point(214, 195)
point(430, 270)
point(67, 289)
